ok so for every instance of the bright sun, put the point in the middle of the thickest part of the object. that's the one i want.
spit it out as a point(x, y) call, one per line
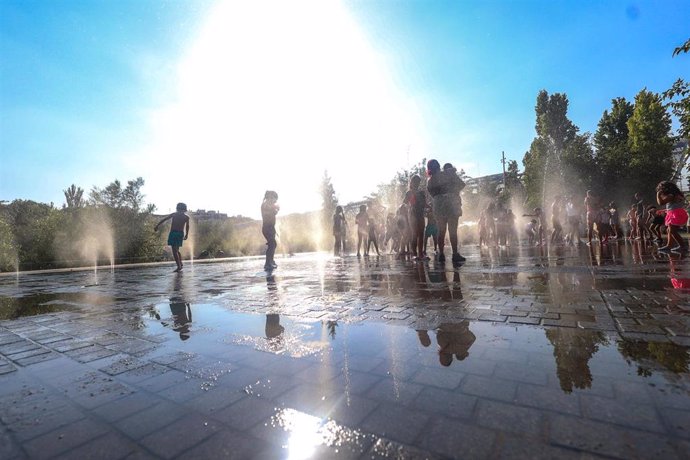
point(268, 96)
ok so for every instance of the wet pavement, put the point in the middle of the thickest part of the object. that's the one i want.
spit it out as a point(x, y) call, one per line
point(521, 352)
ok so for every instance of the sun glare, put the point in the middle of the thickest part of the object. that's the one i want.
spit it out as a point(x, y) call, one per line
point(268, 96)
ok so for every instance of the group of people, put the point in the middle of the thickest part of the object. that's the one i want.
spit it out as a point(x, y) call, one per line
point(416, 219)
point(601, 219)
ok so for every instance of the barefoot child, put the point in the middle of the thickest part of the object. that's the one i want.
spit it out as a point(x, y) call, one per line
point(179, 231)
point(269, 209)
point(416, 200)
point(431, 230)
point(539, 231)
point(667, 193)
point(362, 221)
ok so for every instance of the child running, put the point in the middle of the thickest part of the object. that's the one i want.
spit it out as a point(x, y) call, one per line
point(179, 231)
point(668, 193)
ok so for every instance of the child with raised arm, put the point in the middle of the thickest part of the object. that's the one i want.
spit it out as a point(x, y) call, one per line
point(179, 231)
point(668, 193)
point(269, 209)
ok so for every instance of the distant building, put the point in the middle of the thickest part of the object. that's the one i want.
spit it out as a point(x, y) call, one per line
point(202, 214)
point(473, 184)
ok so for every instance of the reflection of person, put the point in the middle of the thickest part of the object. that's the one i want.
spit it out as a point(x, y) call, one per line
point(424, 338)
point(454, 339)
point(273, 327)
point(269, 209)
point(677, 279)
point(182, 316)
point(179, 231)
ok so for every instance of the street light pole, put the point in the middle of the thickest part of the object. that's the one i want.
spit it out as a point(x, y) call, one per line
point(503, 160)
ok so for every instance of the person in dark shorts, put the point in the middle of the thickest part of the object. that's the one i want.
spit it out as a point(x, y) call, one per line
point(179, 231)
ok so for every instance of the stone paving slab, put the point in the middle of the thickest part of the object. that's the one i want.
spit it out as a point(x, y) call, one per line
point(521, 352)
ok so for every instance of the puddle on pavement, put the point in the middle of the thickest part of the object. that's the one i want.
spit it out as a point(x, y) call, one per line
point(39, 304)
point(569, 358)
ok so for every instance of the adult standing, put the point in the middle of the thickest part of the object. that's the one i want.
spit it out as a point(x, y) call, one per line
point(444, 188)
point(269, 209)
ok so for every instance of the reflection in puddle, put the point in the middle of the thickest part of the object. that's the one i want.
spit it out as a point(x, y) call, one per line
point(293, 343)
point(573, 348)
point(667, 358)
point(307, 432)
point(454, 340)
point(571, 355)
point(39, 304)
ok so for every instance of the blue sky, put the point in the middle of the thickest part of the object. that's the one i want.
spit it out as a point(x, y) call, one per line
point(214, 102)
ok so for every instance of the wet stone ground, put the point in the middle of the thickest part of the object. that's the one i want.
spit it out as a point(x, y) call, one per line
point(519, 353)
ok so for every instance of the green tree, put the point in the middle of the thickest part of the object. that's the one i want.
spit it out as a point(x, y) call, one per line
point(579, 166)
point(684, 48)
point(513, 176)
point(650, 143)
point(559, 159)
point(115, 196)
point(8, 251)
point(329, 201)
point(74, 197)
point(34, 226)
point(110, 195)
point(679, 101)
point(611, 144)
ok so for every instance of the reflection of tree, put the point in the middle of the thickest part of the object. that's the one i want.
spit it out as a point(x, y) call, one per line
point(658, 356)
point(454, 339)
point(573, 348)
